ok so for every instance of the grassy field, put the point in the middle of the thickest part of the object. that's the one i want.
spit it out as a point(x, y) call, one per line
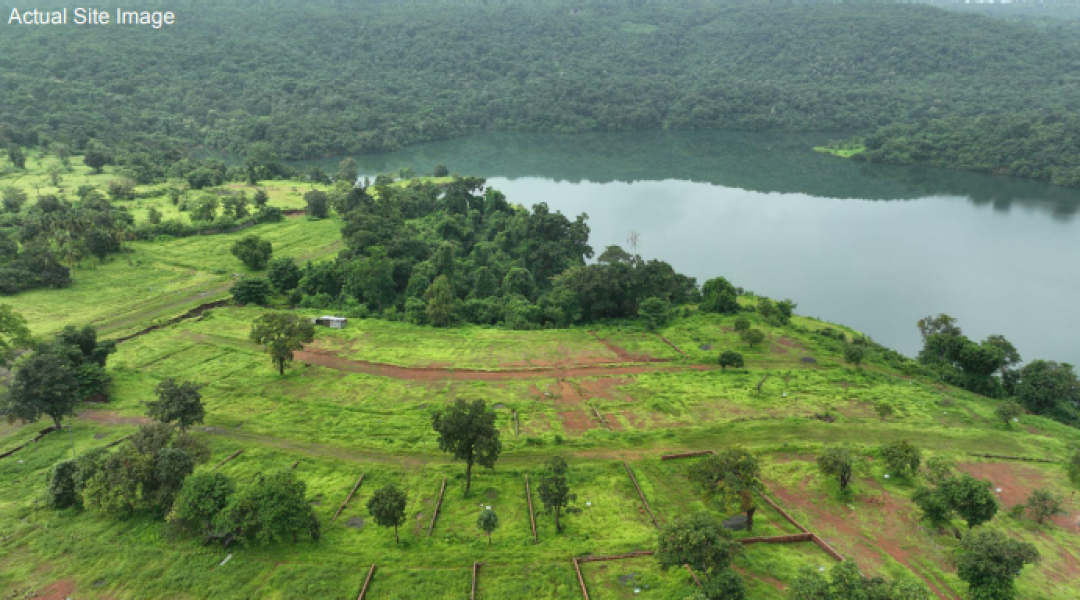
point(359, 401)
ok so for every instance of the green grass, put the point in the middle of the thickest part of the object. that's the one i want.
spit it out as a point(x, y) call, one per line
point(338, 424)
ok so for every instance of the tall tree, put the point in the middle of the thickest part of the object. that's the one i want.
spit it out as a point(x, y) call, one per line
point(387, 507)
point(271, 508)
point(971, 498)
point(178, 402)
point(554, 490)
point(733, 477)
point(467, 430)
point(44, 384)
point(318, 204)
point(202, 497)
point(281, 334)
point(990, 561)
point(699, 540)
point(902, 457)
point(836, 461)
point(95, 158)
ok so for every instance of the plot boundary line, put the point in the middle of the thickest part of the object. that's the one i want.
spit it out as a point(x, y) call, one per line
point(438, 504)
point(642, 494)
point(532, 517)
point(475, 573)
point(347, 498)
point(228, 458)
point(367, 582)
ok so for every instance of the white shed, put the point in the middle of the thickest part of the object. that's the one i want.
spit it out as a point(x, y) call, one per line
point(332, 322)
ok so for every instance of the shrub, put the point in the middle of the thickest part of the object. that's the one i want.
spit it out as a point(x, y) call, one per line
point(62, 489)
point(284, 274)
point(1008, 410)
point(656, 313)
point(253, 251)
point(902, 458)
point(252, 290)
point(853, 355)
point(269, 214)
point(742, 324)
point(1042, 505)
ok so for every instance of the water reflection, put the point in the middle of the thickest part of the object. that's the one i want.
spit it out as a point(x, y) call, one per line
point(760, 162)
point(872, 246)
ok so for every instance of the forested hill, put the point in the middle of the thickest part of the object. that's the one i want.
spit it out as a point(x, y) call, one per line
point(322, 78)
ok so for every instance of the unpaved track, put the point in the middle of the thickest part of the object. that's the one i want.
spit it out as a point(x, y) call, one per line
point(445, 373)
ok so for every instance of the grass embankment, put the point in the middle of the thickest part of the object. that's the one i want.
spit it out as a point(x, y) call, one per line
point(843, 151)
point(597, 396)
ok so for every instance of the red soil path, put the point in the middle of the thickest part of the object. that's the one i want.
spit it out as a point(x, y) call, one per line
point(59, 590)
point(444, 373)
point(842, 532)
point(625, 355)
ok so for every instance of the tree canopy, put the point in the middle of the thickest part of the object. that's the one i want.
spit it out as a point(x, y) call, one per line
point(467, 431)
point(281, 334)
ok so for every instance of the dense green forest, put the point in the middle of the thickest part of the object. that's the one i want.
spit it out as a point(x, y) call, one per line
point(1043, 147)
point(327, 78)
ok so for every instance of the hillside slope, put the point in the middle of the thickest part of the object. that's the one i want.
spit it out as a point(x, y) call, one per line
point(328, 78)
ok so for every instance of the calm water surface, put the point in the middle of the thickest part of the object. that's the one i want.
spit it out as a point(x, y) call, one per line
point(875, 247)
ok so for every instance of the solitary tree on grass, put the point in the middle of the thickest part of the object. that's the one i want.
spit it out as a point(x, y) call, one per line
point(1043, 505)
point(554, 491)
point(487, 522)
point(730, 358)
point(178, 402)
point(732, 477)
point(884, 410)
point(990, 561)
point(1008, 410)
point(753, 337)
point(387, 507)
point(837, 461)
point(902, 458)
point(318, 204)
point(45, 384)
point(95, 158)
point(280, 334)
point(742, 324)
point(467, 430)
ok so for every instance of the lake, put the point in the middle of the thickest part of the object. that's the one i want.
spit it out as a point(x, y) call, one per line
point(875, 247)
